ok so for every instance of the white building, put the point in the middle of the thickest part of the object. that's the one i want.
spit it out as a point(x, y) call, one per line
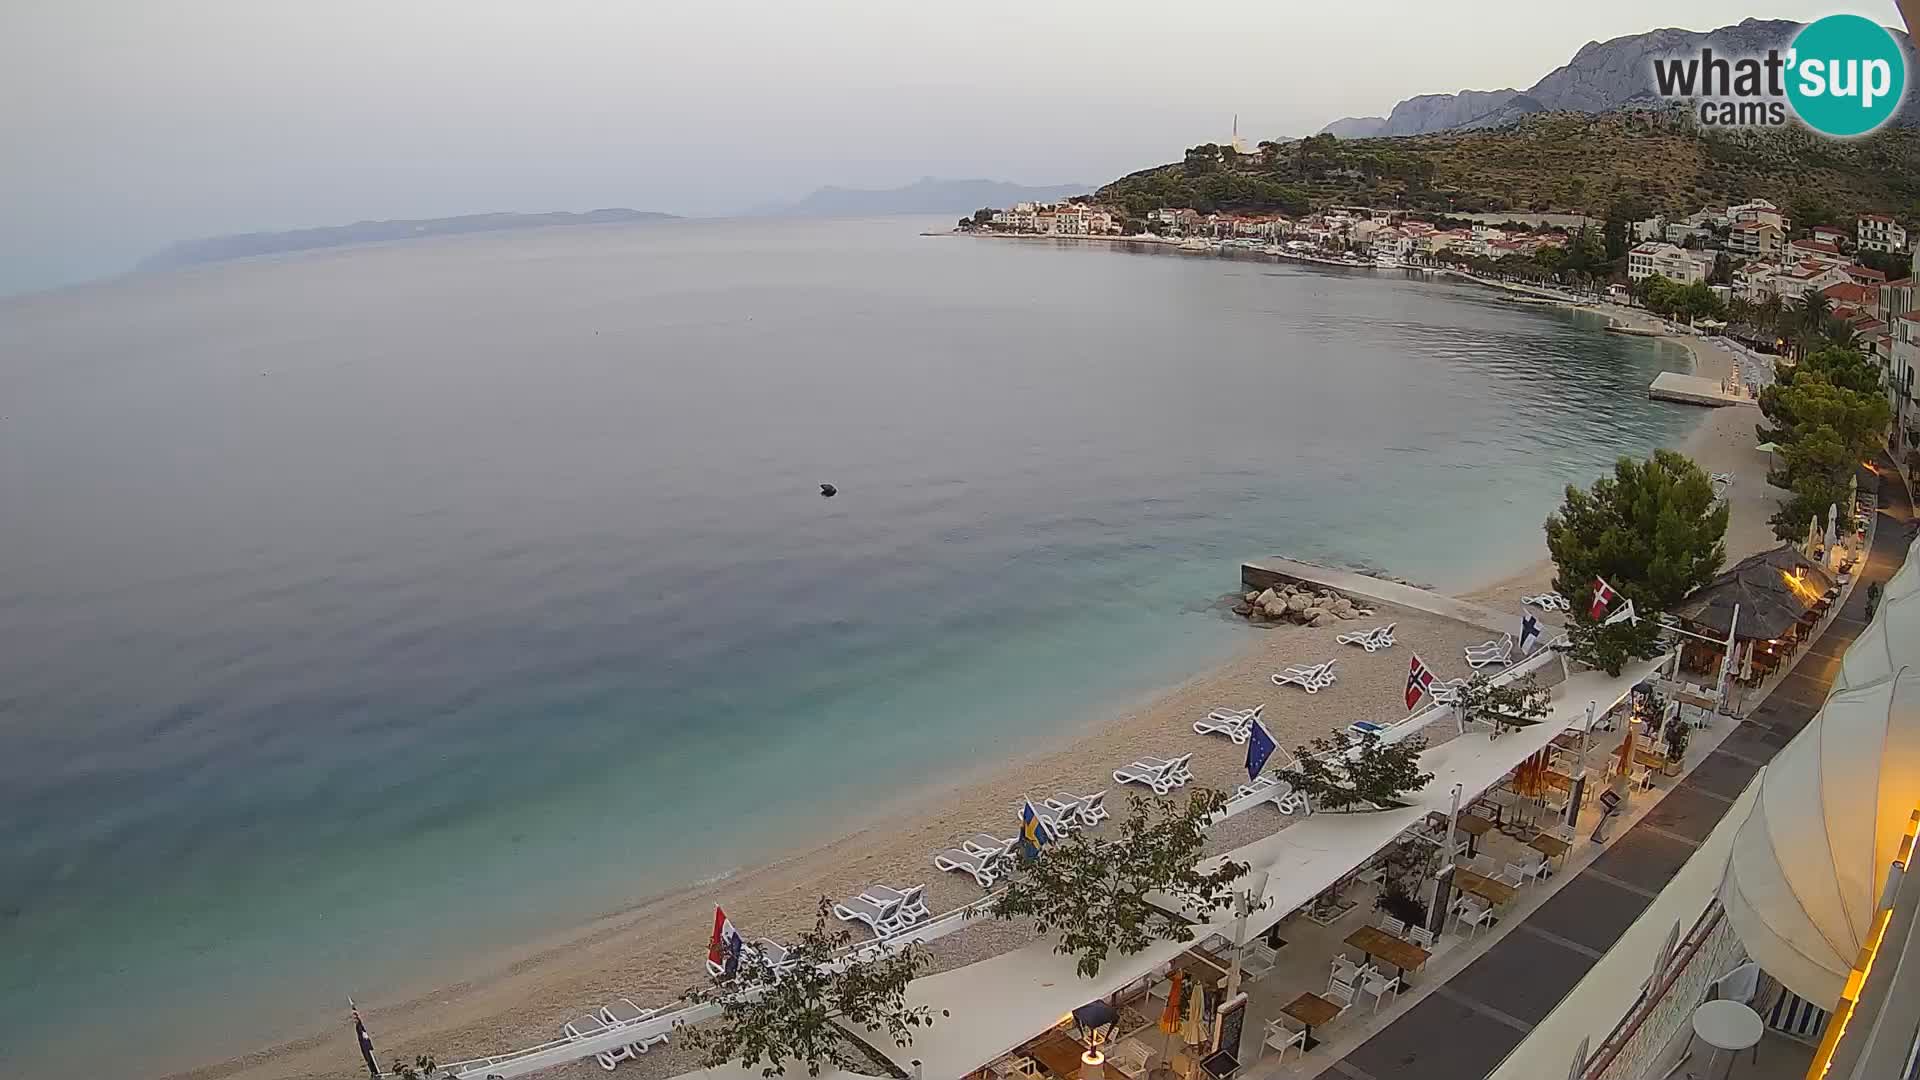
point(1879, 232)
point(1669, 262)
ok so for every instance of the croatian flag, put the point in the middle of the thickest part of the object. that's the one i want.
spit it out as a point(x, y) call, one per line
point(1602, 598)
point(1260, 747)
point(1033, 831)
point(1529, 633)
point(1419, 681)
point(723, 951)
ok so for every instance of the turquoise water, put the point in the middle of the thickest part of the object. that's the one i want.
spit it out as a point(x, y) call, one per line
point(364, 610)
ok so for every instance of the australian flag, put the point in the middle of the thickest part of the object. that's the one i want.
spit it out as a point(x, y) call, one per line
point(1260, 746)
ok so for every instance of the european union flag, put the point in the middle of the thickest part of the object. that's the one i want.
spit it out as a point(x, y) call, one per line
point(1033, 831)
point(1260, 747)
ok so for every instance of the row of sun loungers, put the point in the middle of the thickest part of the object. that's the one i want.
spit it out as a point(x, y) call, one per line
point(1380, 637)
point(618, 1014)
point(774, 953)
point(1313, 678)
point(1493, 652)
point(1550, 601)
point(984, 857)
point(1160, 775)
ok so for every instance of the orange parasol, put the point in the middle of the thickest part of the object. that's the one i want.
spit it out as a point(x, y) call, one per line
point(1170, 1016)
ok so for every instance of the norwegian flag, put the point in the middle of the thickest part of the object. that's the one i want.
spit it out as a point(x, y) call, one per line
point(1603, 596)
point(1419, 681)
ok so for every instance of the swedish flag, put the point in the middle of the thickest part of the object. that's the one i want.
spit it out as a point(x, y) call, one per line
point(1033, 831)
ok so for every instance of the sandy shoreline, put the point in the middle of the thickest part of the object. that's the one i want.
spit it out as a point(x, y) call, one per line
point(655, 949)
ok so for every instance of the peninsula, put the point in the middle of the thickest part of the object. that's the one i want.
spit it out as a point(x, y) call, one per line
point(246, 245)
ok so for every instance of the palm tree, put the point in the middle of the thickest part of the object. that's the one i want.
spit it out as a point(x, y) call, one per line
point(1842, 333)
point(1767, 311)
point(1809, 321)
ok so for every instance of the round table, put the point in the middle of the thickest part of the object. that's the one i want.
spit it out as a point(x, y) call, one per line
point(1729, 1027)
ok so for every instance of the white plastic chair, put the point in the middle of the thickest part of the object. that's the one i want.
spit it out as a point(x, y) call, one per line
point(1280, 1038)
point(1378, 986)
point(1475, 914)
point(1341, 993)
point(1421, 936)
point(1396, 927)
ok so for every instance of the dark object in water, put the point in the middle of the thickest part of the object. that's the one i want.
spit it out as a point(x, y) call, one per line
point(828, 491)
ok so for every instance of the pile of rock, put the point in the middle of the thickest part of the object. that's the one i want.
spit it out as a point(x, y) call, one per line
point(1300, 604)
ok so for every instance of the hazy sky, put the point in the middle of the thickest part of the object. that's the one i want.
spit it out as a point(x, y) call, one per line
point(130, 124)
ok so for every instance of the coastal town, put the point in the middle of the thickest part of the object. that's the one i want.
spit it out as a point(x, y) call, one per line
point(1744, 270)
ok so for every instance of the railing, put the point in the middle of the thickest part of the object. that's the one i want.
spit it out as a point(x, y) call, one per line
point(1666, 1006)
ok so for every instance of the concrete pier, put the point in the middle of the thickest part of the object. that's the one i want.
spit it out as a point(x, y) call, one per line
point(1694, 390)
point(1279, 570)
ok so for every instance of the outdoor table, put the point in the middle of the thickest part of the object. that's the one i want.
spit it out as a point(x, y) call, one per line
point(1550, 845)
point(1057, 1052)
point(1554, 778)
point(1475, 827)
point(1201, 964)
point(1567, 740)
point(1650, 759)
point(1402, 954)
point(1311, 1009)
point(1494, 892)
point(1729, 1027)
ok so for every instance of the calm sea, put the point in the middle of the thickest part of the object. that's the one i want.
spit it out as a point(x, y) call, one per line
point(360, 609)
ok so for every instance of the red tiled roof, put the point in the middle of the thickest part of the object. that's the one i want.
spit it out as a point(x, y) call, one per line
point(1847, 292)
point(1876, 217)
point(1865, 273)
point(1816, 245)
point(1903, 283)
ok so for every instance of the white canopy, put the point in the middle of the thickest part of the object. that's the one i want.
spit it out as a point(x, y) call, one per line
point(1893, 638)
point(1811, 858)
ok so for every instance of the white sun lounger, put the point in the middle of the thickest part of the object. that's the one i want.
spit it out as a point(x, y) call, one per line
point(882, 919)
point(1160, 775)
point(1088, 810)
point(625, 1011)
point(593, 1025)
point(1446, 691)
point(1312, 679)
point(911, 903)
point(1274, 790)
point(1218, 722)
point(983, 867)
point(1493, 652)
point(1380, 637)
point(1549, 601)
point(987, 844)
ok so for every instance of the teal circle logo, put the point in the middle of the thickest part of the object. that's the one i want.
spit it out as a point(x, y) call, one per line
point(1846, 75)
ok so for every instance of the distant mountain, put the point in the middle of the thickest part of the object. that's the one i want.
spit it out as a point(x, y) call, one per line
point(927, 195)
point(244, 245)
point(1601, 77)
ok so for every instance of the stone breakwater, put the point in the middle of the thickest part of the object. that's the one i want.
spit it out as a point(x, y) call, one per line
point(1302, 605)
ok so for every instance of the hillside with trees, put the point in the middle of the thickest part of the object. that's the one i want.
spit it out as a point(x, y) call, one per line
point(1617, 164)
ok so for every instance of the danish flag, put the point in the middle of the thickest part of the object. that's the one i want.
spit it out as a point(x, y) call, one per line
point(1603, 596)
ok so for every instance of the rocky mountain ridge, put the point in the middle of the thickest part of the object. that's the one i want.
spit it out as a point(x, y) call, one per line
point(1603, 76)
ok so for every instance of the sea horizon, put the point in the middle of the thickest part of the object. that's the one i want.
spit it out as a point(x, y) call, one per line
point(376, 609)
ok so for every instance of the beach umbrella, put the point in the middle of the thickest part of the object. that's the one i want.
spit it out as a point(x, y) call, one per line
point(1813, 533)
point(1853, 499)
point(1195, 1033)
point(1833, 530)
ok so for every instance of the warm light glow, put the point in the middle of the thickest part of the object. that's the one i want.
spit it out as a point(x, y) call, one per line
point(1862, 967)
point(1093, 1057)
point(1798, 585)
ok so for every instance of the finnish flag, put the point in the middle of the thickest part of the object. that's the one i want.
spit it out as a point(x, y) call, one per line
point(1529, 633)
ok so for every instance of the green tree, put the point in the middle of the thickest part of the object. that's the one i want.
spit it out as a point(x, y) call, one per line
point(1516, 704)
point(1368, 775)
point(1608, 648)
point(1093, 891)
point(1653, 530)
point(770, 1019)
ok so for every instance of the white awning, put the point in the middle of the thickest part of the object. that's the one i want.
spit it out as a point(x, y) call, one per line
point(1812, 856)
point(1893, 638)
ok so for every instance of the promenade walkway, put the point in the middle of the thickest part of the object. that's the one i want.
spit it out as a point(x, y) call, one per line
point(1468, 1026)
point(1261, 573)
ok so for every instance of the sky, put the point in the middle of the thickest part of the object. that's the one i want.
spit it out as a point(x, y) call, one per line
point(129, 124)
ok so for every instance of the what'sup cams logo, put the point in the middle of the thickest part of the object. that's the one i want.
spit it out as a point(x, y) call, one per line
point(1843, 75)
